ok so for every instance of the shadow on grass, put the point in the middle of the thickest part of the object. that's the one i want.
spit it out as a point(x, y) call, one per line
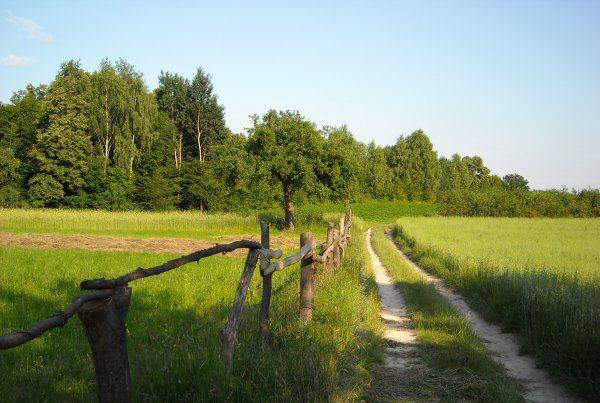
point(174, 352)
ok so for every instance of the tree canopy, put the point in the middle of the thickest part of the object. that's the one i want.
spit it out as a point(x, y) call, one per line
point(101, 139)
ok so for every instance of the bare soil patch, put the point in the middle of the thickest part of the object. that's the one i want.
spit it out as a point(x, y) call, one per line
point(402, 372)
point(126, 244)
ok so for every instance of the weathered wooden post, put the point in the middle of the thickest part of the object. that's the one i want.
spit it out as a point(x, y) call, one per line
point(104, 324)
point(342, 248)
point(336, 249)
point(328, 264)
point(307, 281)
point(229, 333)
point(347, 221)
point(267, 282)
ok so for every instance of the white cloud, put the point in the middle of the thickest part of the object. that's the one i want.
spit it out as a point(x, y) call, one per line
point(33, 30)
point(16, 61)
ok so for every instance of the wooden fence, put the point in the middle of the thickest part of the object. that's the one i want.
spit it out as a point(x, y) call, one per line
point(103, 305)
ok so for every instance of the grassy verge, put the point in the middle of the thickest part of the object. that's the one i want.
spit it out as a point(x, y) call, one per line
point(557, 315)
point(461, 367)
point(173, 327)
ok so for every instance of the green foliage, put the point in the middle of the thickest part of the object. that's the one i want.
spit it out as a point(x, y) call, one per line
point(102, 140)
point(10, 179)
point(343, 165)
point(380, 176)
point(515, 182)
point(499, 201)
point(63, 145)
point(45, 191)
point(288, 145)
point(416, 166)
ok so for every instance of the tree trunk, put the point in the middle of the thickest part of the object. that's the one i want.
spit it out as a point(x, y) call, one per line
point(288, 207)
point(198, 139)
point(180, 150)
point(107, 136)
point(131, 155)
point(104, 324)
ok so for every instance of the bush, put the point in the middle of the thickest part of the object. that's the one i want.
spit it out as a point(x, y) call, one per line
point(500, 202)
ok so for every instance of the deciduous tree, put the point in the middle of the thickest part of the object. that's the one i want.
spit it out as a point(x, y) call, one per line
point(288, 145)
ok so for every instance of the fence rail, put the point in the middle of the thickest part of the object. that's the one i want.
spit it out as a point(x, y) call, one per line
point(104, 303)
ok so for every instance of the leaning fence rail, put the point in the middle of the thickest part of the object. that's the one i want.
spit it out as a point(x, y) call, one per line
point(104, 303)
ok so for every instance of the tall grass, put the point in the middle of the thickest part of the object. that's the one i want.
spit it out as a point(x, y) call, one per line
point(555, 310)
point(173, 326)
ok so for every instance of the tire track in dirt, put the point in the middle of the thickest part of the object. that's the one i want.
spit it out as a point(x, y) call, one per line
point(401, 365)
point(504, 347)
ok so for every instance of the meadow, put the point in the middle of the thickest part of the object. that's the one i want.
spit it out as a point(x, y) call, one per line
point(176, 224)
point(194, 224)
point(537, 277)
point(173, 330)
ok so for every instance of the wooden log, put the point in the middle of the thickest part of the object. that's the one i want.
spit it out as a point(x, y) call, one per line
point(265, 256)
point(267, 285)
point(290, 260)
point(104, 324)
point(307, 282)
point(100, 284)
point(229, 334)
point(59, 319)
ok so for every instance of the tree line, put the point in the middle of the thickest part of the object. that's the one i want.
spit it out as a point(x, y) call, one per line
point(101, 139)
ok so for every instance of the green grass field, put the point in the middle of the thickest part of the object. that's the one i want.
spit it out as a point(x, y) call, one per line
point(537, 277)
point(177, 224)
point(560, 245)
point(193, 224)
point(173, 330)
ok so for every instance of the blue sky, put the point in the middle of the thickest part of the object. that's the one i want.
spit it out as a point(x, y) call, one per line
point(515, 82)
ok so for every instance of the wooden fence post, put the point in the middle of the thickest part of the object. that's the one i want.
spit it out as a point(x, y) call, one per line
point(267, 283)
point(336, 249)
point(347, 221)
point(342, 234)
point(104, 324)
point(328, 264)
point(307, 282)
point(229, 333)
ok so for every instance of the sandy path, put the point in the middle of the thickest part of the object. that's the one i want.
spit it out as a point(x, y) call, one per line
point(538, 385)
point(401, 361)
point(124, 244)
